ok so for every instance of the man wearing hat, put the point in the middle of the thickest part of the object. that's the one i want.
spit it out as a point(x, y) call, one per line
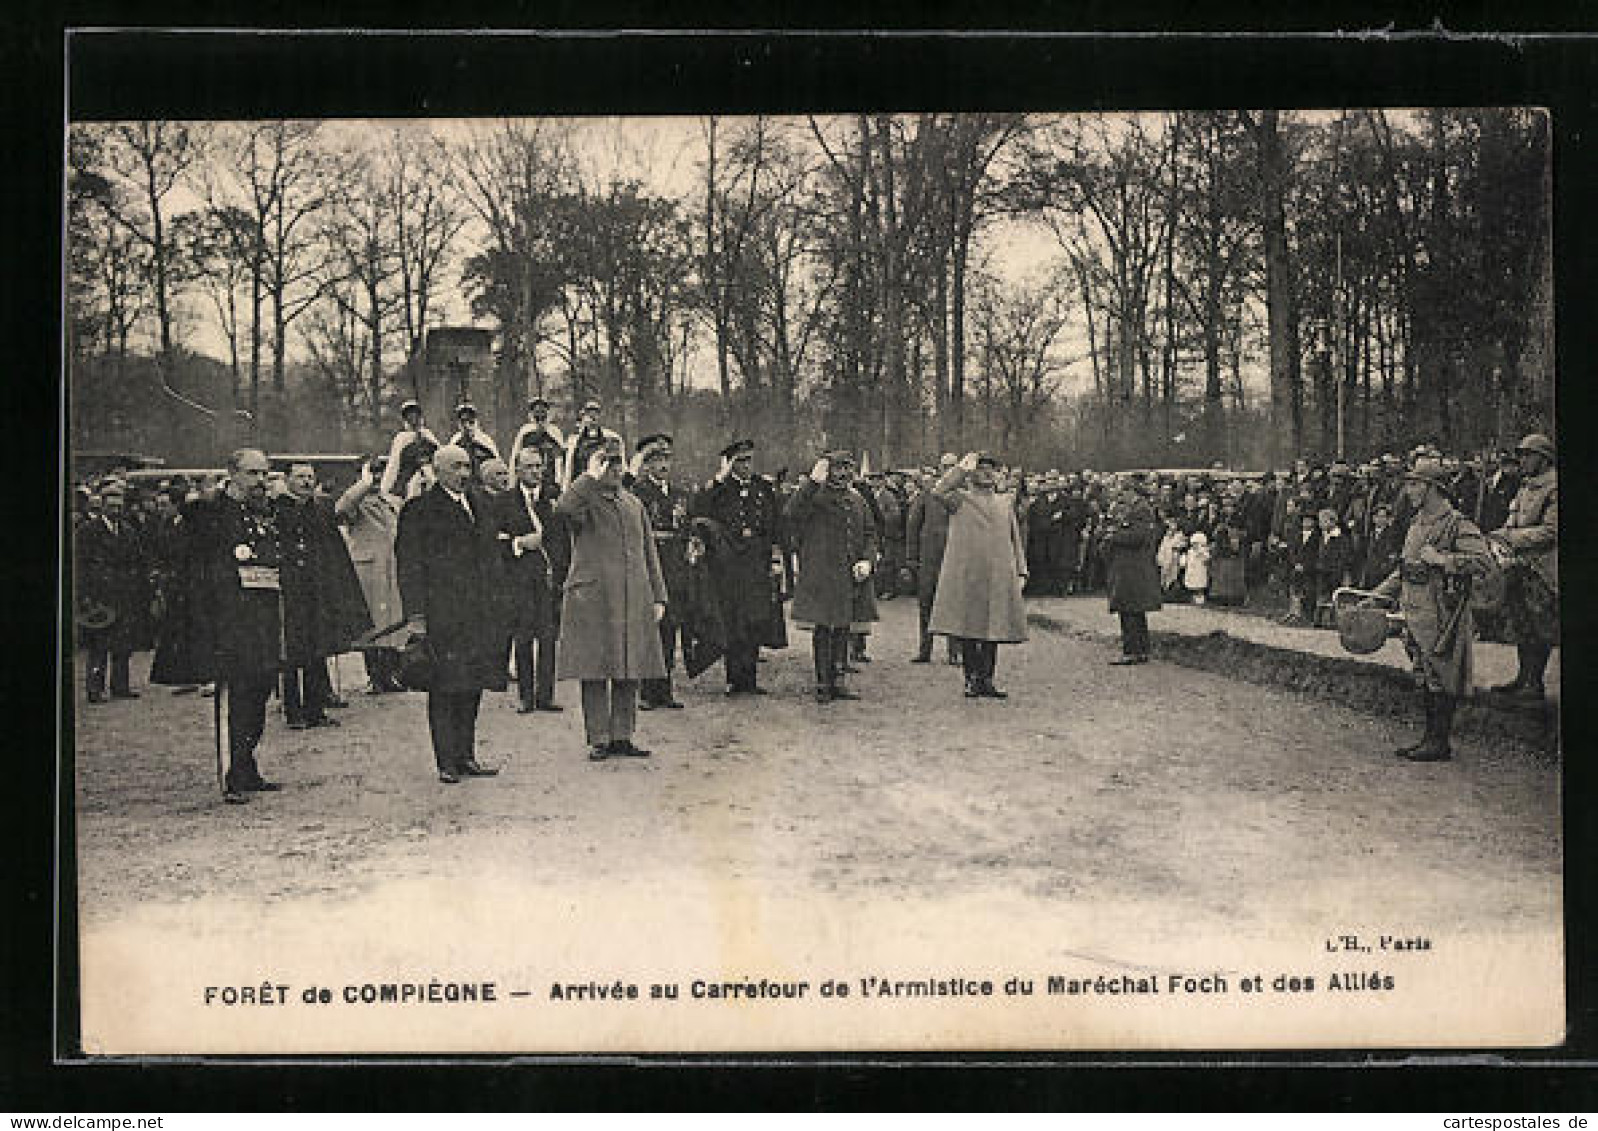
point(1442, 549)
point(1132, 580)
point(111, 572)
point(837, 544)
point(413, 446)
point(535, 550)
point(984, 568)
point(667, 508)
point(540, 433)
point(478, 445)
point(926, 537)
point(586, 439)
point(745, 558)
point(1528, 542)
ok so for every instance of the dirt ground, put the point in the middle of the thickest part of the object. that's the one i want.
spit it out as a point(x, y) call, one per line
point(1132, 812)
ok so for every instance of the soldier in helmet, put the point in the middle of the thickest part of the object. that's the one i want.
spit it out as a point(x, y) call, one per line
point(1528, 540)
point(1442, 549)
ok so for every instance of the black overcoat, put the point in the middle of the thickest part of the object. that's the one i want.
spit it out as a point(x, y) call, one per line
point(450, 572)
point(531, 592)
point(324, 608)
point(743, 519)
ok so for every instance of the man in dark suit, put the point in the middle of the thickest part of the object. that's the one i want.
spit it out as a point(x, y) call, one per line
point(744, 557)
point(323, 606)
point(535, 550)
point(111, 571)
point(449, 577)
point(667, 507)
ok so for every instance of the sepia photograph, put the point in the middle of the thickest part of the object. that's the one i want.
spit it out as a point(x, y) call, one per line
point(813, 582)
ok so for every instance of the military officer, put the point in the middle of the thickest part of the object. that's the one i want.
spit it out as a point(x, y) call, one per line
point(744, 556)
point(477, 443)
point(1442, 550)
point(667, 507)
point(587, 438)
point(1528, 542)
point(413, 445)
point(539, 433)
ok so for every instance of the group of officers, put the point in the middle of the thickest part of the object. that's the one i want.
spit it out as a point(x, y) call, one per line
point(442, 561)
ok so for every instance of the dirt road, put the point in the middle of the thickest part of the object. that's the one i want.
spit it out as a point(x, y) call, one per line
point(1102, 814)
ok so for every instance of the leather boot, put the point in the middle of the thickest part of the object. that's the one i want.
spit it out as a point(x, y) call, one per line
point(1428, 704)
point(1435, 748)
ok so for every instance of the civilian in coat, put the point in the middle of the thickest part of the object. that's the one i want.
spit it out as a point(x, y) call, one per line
point(926, 535)
point(370, 516)
point(666, 504)
point(615, 599)
point(323, 605)
point(745, 558)
point(449, 579)
point(1379, 556)
point(1131, 577)
point(984, 569)
point(834, 534)
point(111, 574)
point(536, 554)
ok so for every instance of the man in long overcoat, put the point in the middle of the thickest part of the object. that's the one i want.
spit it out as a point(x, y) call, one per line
point(450, 578)
point(323, 606)
point(615, 598)
point(111, 575)
point(1530, 537)
point(984, 569)
point(536, 553)
point(234, 606)
point(745, 559)
point(1441, 549)
point(667, 507)
point(370, 516)
point(1132, 579)
point(834, 535)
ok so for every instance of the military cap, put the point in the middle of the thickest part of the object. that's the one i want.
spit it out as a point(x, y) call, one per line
point(737, 448)
point(656, 442)
point(410, 406)
point(534, 402)
point(465, 408)
point(592, 405)
point(1538, 443)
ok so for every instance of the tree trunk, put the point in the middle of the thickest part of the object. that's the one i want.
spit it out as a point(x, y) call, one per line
point(1287, 413)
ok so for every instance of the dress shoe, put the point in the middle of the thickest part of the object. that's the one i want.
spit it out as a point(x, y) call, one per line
point(849, 669)
point(322, 721)
point(988, 691)
point(124, 694)
point(448, 777)
point(337, 702)
point(299, 724)
point(474, 769)
point(1427, 752)
point(823, 695)
point(234, 797)
point(624, 748)
point(972, 691)
point(261, 785)
point(862, 658)
point(1124, 661)
point(919, 658)
point(525, 708)
point(647, 704)
point(672, 705)
point(845, 694)
point(599, 753)
point(550, 707)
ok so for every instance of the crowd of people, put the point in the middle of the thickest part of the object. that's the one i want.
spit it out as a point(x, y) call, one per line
point(456, 569)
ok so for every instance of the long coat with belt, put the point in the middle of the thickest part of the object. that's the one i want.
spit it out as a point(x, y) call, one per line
point(112, 571)
point(1532, 532)
point(607, 625)
point(1132, 580)
point(531, 596)
point(369, 532)
point(979, 586)
point(323, 605)
point(832, 531)
point(450, 573)
point(926, 535)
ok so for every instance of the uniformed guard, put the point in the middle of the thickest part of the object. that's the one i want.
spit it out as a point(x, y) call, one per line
point(586, 439)
point(667, 507)
point(412, 447)
point(740, 508)
point(1442, 551)
point(836, 542)
point(1528, 545)
point(539, 433)
point(478, 444)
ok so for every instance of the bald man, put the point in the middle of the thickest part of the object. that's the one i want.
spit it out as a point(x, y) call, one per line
point(450, 582)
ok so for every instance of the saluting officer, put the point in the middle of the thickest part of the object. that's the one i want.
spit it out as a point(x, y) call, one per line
point(1530, 541)
point(667, 508)
point(1442, 548)
point(745, 559)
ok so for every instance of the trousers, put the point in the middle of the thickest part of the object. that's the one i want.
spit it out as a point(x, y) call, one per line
point(452, 721)
point(306, 691)
point(1135, 634)
point(610, 710)
point(659, 690)
point(535, 667)
point(241, 702)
